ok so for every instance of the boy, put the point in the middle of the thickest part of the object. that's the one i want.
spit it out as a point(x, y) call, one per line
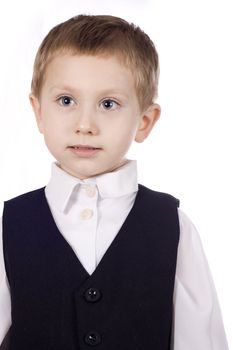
point(94, 259)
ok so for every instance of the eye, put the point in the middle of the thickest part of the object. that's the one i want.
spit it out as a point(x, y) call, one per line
point(66, 101)
point(109, 104)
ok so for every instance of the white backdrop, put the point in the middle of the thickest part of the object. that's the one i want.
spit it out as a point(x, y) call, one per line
point(188, 154)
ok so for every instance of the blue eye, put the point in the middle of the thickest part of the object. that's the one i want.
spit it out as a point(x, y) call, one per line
point(109, 104)
point(66, 101)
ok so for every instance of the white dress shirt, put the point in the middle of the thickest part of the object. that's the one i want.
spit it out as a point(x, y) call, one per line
point(98, 207)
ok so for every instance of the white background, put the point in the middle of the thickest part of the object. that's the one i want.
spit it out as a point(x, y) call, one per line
point(188, 154)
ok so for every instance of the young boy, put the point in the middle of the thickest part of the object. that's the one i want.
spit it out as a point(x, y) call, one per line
point(94, 259)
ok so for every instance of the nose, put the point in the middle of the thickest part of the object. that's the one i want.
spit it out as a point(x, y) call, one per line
point(85, 124)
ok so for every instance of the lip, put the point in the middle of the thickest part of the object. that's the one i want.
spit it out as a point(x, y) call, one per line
point(84, 151)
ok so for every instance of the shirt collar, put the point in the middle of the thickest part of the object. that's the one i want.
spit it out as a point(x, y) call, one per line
point(117, 183)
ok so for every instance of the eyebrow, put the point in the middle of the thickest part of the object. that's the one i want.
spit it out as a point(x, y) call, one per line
point(65, 87)
point(107, 91)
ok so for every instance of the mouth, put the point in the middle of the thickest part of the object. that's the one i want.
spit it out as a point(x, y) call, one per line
point(84, 147)
point(84, 151)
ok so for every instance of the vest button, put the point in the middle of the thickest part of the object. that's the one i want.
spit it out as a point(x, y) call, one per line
point(92, 295)
point(92, 338)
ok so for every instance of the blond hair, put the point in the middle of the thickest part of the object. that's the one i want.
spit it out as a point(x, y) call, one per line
point(102, 36)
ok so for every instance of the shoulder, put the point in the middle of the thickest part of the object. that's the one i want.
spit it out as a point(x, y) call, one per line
point(28, 202)
point(161, 198)
point(20, 212)
point(25, 197)
point(158, 208)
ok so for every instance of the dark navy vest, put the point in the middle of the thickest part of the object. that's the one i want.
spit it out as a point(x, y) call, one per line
point(126, 304)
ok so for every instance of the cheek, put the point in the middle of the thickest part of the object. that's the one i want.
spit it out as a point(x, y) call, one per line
point(121, 139)
point(128, 130)
point(55, 126)
point(123, 127)
point(54, 134)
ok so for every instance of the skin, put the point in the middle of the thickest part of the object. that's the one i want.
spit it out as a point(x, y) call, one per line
point(89, 100)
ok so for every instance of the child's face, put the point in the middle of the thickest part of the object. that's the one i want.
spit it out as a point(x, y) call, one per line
point(89, 114)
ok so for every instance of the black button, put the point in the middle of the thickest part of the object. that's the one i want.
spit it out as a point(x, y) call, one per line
point(93, 338)
point(92, 295)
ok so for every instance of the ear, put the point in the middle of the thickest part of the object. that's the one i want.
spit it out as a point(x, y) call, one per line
point(148, 120)
point(35, 103)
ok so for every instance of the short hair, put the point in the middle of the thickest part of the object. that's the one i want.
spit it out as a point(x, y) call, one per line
point(102, 35)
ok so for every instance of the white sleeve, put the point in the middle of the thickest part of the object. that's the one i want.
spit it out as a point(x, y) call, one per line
point(197, 320)
point(5, 303)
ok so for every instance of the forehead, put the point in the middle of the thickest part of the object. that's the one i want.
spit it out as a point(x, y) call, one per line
point(89, 72)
